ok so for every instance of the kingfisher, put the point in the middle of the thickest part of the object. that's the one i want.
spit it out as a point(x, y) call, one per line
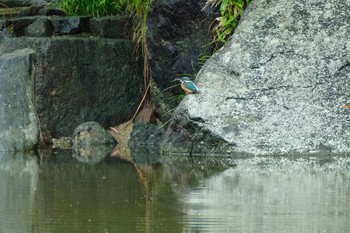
point(188, 86)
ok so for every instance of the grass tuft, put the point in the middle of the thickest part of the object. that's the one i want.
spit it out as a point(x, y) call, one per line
point(226, 23)
point(94, 8)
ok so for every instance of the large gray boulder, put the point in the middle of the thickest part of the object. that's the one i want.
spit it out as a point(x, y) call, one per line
point(91, 143)
point(19, 127)
point(278, 86)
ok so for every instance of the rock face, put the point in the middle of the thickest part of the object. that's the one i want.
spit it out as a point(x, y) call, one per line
point(278, 86)
point(111, 27)
point(145, 134)
point(39, 28)
point(78, 78)
point(70, 25)
point(91, 143)
point(19, 129)
point(178, 32)
point(144, 143)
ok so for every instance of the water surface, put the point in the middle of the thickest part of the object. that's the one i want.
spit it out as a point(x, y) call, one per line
point(263, 194)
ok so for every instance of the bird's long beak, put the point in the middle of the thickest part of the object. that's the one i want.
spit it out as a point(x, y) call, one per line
point(178, 79)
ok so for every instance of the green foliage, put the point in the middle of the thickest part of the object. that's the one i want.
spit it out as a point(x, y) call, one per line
point(93, 8)
point(226, 23)
point(97, 8)
point(202, 59)
point(139, 8)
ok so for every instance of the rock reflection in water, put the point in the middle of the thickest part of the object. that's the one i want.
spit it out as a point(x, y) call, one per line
point(76, 197)
point(18, 182)
point(273, 195)
point(112, 196)
point(180, 194)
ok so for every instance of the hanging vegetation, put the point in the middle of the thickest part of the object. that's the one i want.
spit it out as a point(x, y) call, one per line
point(226, 23)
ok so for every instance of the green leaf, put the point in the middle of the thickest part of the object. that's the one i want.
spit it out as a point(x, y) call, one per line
point(223, 6)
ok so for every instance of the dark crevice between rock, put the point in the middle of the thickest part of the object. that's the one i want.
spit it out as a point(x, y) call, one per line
point(343, 67)
point(198, 120)
point(238, 98)
point(257, 66)
point(282, 87)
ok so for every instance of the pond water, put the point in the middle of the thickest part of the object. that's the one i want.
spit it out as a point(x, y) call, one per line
point(262, 194)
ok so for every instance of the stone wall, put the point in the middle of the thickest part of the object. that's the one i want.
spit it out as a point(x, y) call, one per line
point(86, 69)
point(12, 3)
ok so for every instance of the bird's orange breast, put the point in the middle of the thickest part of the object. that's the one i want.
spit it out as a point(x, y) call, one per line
point(188, 91)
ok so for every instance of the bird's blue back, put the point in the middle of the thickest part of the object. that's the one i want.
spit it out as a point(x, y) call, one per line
point(191, 86)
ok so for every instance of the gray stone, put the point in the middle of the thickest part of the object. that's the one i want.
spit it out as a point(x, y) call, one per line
point(5, 34)
point(145, 134)
point(40, 10)
point(144, 143)
point(31, 11)
point(11, 3)
point(19, 127)
point(111, 26)
point(58, 25)
point(70, 25)
point(51, 11)
point(40, 28)
point(18, 25)
point(278, 86)
point(91, 133)
point(91, 143)
point(82, 79)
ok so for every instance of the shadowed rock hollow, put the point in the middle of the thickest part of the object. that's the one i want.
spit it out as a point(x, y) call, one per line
point(178, 33)
point(278, 86)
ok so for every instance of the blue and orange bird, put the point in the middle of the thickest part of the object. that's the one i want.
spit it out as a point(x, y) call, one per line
point(188, 86)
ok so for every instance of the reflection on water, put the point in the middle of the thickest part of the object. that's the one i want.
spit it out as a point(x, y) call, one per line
point(18, 182)
point(273, 195)
point(59, 194)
